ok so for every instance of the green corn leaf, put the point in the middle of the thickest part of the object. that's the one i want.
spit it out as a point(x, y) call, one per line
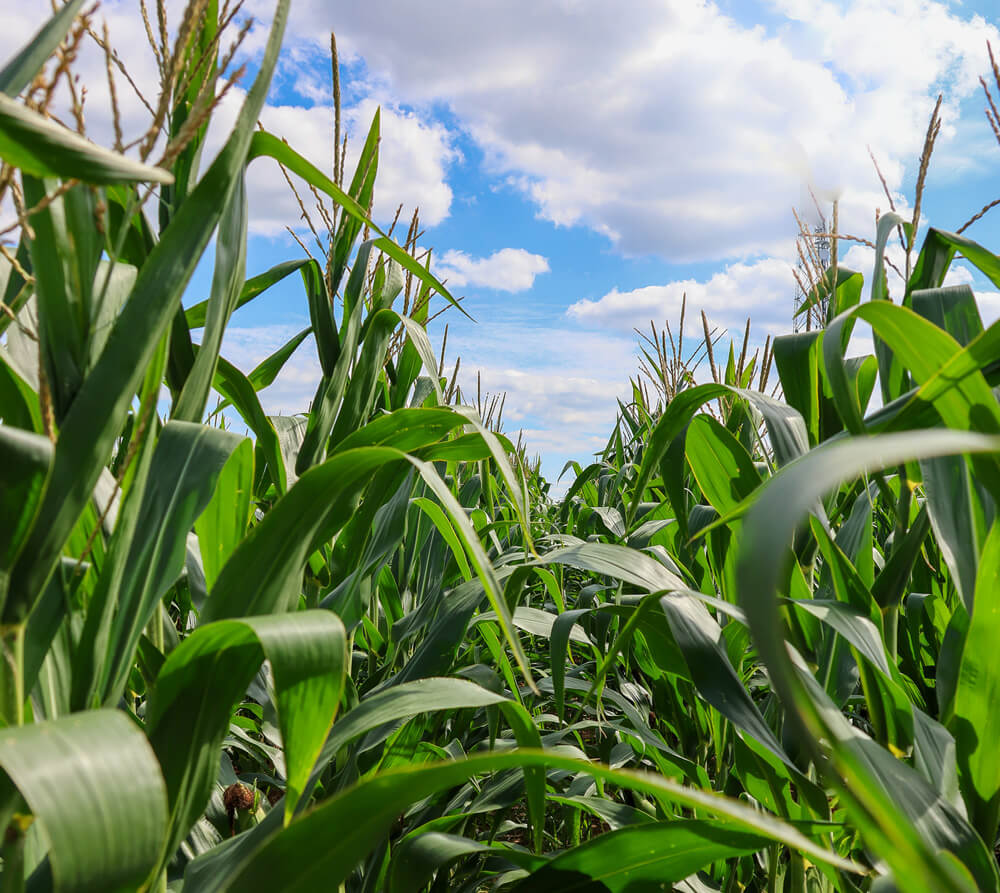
point(223, 524)
point(44, 625)
point(25, 459)
point(964, 402)
point(891, 374)
point(196, 315)
point(975, 722)
point(398, 702)
point(786, 429)
point(952, 309)
point(187, 719)
point(196, 71)
point(890, 585)
point(39, 146)
point(417, 858)
point(447, 531)
point(263, 574)
point(364, 813)
point(112, 286)
point(721, 466)
point(22, 69)
point(881, 803)
point(405, 429)
point(184, 468)
point(563, 629)
point(625, 860)
point(702, 645)
point(64, 255)
point(937, 252)
point(515, 485)
point(265, 372)
point(93, 783)
point(331, 388)
point(264, 144)
point(358, 395)
point(480, 560)
point(955, 516)
point(19, 405)
point(230, 268)
point(674, 419)
point(796, 358)
point(618, 562)
point(240, 392)
point(361, 189)
point(321, 317)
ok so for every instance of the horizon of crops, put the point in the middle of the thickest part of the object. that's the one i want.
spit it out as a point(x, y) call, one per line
point(753, 646)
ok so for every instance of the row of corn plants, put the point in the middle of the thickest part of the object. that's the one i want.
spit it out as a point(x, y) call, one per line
point(752, 648)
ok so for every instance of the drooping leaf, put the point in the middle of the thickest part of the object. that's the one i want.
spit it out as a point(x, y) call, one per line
point(363, 813)
point(186, 719)
point(92, 781)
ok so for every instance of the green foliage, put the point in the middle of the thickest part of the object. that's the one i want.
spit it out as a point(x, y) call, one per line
point(753, 647)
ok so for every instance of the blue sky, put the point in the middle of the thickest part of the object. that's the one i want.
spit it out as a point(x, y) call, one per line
point(581, 164)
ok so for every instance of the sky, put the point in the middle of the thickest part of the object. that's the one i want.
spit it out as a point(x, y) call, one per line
point(580, 165)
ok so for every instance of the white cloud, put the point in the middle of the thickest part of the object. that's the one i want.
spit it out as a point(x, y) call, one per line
point(566, 401)
point(958, 275)
point(763, 290)
point(414, 156)
point(669, 126)
point(989, 306)
point(509, 269)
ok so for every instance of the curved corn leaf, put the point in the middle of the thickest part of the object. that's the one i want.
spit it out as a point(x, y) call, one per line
point(196, 314)
point(265, 144)
point(893, 808)
point(186, 463)
point(25, 459)
point(98, 765)
point(323, 846)
point(417, 858)
point(230, 268)
point(398, 702)
point(974, 720)
point(223, 523)
point(187, 719)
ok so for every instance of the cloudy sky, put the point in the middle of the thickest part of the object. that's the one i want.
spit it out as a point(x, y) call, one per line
point(579, 165)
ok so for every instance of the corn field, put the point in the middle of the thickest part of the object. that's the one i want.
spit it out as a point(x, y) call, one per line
point(754, 647)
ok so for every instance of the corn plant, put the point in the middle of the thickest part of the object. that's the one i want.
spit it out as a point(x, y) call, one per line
point(361, 649)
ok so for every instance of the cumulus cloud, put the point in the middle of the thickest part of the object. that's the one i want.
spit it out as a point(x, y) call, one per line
point(673, 128)
point(763, 290)
point(509, 269)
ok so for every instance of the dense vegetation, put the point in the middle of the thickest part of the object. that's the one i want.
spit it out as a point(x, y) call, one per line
point(754, 647)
